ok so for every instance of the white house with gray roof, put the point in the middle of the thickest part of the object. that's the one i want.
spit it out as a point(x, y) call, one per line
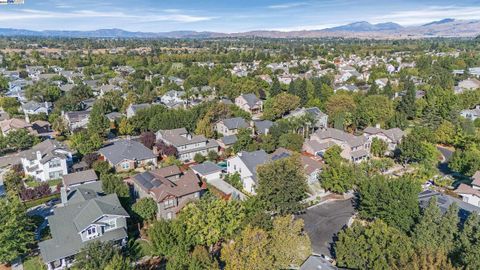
point(245, 164)
point(46, 161)
point(33, 107)
point(230, 126)
point(88, 215)
point(354, 148)
point(187, 145)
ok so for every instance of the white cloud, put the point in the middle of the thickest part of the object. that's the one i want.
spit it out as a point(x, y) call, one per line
point(33, 14)
point(432, 13)
point(287, 5)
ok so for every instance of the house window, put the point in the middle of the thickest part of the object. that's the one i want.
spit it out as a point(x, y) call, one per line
point(126, 165)
point(91, 232)
point(55, 163)
point(169, 203)
point(110, 224)
point(55, 175)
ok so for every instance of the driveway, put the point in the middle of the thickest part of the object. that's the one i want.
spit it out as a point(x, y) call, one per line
point(324, 221)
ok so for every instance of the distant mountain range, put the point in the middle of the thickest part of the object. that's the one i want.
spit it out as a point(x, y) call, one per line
point(389, 30)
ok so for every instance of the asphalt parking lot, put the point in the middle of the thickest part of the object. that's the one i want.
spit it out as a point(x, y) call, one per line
point(324, 221)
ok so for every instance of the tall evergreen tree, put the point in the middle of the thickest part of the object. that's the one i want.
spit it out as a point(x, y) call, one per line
point(407, 104)
point(276, 87)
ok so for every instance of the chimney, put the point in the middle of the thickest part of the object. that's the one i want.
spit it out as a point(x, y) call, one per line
point(39, 155)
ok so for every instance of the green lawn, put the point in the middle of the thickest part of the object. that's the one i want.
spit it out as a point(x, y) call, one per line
point(34, 183)
point(33, 263)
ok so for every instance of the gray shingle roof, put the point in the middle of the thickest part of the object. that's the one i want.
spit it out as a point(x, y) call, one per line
point(235, 123)
point(79, 177)
point(229, 140)
point(126, 150)
point(251, 99)
point(206, 168)
point(68, 221)
point(253, 159)
point(263, 126)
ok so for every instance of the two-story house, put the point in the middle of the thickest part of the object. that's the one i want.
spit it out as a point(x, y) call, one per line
point(187, 145)
point(87, 215)
point(173, 98)
point(76, 119)
point(230, 126)
point(47, 160)
point(245, 164)
point(392, 137)
point(249, 103)
point(320, 119)
point(126, 155)
point(171, 189)
point(354, 148)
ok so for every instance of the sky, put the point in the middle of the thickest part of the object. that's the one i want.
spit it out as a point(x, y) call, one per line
point(227, 16)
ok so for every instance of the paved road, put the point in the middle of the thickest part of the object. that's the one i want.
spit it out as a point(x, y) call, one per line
point(324, 221)
point(447, 155)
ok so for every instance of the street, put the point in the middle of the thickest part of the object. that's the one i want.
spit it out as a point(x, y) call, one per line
point(324, 221)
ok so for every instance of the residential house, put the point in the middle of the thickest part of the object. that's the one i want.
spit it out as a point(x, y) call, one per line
point(471, 114)
point(42, 128)
point(226, 142)
point(249, 103)
point(381, 83)
point(346, 87)
point(187, 145)
point(230, 126)
point(126, 155)
point(134, 108)
point(444, 201)
point(392, 136)
point(173, 98)
point(79, 178)
point(262, 127)
point(354, 148)
point(33, 107)
point(108, 88)
point(169, 187)
point(88, 215)
point(245, 164)
point(76, 119)
point(320, 118)
point(47, 160)
point(16, 89)
point(14, 124)
point(207, 170)
point(470, 194)
point(468, 84)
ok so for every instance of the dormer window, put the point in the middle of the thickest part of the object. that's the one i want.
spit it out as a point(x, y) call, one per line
point(92, 232)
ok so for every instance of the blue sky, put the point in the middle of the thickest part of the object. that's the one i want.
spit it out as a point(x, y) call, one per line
point(225, 16)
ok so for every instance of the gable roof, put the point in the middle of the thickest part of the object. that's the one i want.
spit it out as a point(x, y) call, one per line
point(340, 135)
point(235, 123)
point(466, 189)
point(66, 223)
point(229, 140)
point(48, 149)
point(126, 150)
point(251, 99)
point(79, 177)
point(394, 134)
